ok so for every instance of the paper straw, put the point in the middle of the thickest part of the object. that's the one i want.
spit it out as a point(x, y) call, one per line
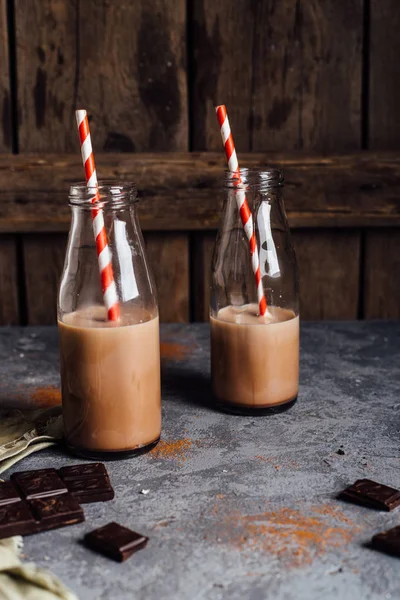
point(110, 296)
point(243, 206)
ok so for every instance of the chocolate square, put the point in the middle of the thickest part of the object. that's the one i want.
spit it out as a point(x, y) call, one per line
point(39, 483)
point(83, 471)
point(91, 489)
point(388, 541)
point(56, 511)
point(371, 494)
point(115, 541)
point(16, 519)
point(8, 493)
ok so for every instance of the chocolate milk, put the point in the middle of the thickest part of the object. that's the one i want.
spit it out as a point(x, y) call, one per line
point(110, 378)
point(254, 359)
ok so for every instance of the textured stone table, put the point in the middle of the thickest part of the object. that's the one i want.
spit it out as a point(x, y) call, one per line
point(238, 507)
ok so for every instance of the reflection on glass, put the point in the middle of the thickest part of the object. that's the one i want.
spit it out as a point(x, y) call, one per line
point(269, 263)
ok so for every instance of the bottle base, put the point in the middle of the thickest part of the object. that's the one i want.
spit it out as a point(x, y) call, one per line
point(261, 410)
point(110, 454)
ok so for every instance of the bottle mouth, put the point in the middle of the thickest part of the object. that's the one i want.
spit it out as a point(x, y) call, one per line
point(107, 194)
point(253, 179)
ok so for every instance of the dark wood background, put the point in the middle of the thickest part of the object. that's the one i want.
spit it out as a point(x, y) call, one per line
point(310, 85)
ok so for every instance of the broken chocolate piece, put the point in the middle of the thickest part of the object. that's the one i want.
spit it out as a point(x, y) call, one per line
point(92, 489)
point(39, 483)
point(16, 519)
point(115, 541)
point(8, 493)
point(56, 511)
point(371, 494)
point(83, 471)
point(388, 541)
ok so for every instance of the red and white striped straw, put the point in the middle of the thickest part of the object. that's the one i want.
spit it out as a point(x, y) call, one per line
point(109, 289)
point(243, 205)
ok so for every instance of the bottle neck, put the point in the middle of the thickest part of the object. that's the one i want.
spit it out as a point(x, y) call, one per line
point(254, 180)
point(107, 195)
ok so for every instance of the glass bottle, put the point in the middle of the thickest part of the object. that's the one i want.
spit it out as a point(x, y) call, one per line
point(254, 358)
point(110, 370)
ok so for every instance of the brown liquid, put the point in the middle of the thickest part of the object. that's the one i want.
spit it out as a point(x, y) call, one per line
point(255, 360)
point(110, 379)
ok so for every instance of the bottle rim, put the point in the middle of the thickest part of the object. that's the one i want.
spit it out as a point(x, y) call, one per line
point(256, 179)
point(107, 194)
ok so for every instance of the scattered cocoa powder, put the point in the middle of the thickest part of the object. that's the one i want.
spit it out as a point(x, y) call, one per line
point(295, 537)
point(175, 450)
point(46, 396)
point(291, 464)
point(28, 397)
point(174, 351)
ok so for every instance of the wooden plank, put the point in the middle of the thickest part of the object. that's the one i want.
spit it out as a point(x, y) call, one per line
point(43, 264)
point(221, 38)
point(168, 255)
point(203, 248)
point(46, 74)
point(138, 46)
point(306, 77)
point(288, 79)
point(384, 99)
point(381, 274)
point(123, 61)
point(5, 93)
point(182, 191)
point(137, 99)
point(9, 311)
point(329, 267)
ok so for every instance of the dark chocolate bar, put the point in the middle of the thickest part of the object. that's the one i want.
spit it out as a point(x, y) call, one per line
point(115, 541)
point(8, 493)
point(16, 519)
point(56, 511)
point(40, 483)
point(388, 541)
point(91, 489)
point(371, 494)
point(83, 471)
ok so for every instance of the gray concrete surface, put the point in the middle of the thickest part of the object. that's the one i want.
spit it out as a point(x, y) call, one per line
point(239, 507)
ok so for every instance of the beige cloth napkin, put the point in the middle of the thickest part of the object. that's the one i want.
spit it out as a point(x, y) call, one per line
point(21, 433)
point(25, 431)
point(20, 581)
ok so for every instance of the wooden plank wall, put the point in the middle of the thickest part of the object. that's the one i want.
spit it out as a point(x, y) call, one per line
point(9, 304)
point(150, 73)
point(291, 82)
point(125, 62)
point(382, 256)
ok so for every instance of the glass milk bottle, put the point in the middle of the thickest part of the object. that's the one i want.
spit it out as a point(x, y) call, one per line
point(110, 369)
point(254, 357)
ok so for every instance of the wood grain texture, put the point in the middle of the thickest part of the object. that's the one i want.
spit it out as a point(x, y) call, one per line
point(289, 80)
point(168, 255)
point(384, 100)
point(5, 93)
point(43, 264)
point(221, 42)
point(306, 75)
point(382, 268)
point(203, 248)
point(9, 310)
point(46, 68)
point(122, 61)
point(183, 191)
point(329, 268)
